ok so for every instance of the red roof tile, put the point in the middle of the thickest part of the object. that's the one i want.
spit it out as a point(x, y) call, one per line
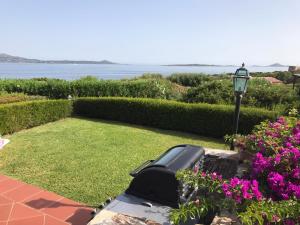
point(272, 80)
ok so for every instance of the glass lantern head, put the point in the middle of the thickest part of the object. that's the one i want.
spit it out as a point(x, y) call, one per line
point(240, 80)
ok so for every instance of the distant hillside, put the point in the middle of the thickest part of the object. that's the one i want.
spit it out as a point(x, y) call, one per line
point(5, 58)
point(277, 65)
point(195, 65)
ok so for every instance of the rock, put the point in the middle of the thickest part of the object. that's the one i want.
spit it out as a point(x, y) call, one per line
point(225, 218)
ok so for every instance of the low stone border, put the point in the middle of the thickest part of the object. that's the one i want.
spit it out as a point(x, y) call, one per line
point(3, 142)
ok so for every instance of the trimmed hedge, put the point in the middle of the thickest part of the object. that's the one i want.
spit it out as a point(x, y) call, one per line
point(203, 119)
point(6, 98)
point(18, 116)
point(54, 88)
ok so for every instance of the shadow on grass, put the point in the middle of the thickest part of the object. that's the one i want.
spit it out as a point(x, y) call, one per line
point(173, 133)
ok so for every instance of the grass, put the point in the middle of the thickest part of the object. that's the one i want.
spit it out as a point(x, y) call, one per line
point(87, 160)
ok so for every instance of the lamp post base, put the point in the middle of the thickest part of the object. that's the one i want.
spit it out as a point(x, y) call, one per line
point(238, 100)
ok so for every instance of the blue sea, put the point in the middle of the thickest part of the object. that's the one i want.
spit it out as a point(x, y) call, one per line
point(110, 71)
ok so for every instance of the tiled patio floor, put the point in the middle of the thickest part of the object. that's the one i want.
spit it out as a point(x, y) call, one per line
point(24, 204)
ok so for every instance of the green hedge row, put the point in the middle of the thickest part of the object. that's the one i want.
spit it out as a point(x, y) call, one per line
point(54, 88)
point(18, 116)
point(6, 98)
point(202, 119)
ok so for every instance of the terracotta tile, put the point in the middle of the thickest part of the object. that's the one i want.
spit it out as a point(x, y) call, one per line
point(2, 177)
point(7, 185)
point(42, 200)
point(22, 193)
point(37, 220)
point(5, 201)
point(25, 204)
point(62, 209)
point(52, 221)
point(5, 212)
point(21, 211)
point(80, 217)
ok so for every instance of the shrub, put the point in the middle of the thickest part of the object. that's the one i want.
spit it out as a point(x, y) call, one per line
point(52, 88)
point(202, 119)
point(6, 98)
point(270, 212)
point(269, 193)
point(214, 92)
point(277, 158)
point(89, 78)
point(269, 96)
point(150, 76)
point(88, 86)
point(147, 88)
point(214, 194)
point(189, 79)
point(260, 93)
point(18, 116)
point(239, 196)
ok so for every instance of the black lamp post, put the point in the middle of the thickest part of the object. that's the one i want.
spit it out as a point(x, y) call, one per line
point(240, 80)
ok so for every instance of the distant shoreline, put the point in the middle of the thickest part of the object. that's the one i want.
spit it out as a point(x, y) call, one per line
point(211, 65)
point(110, 71)
point(5, 58)
point(63, 62)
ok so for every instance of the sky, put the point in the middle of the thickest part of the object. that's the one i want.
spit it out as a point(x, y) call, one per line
point(257, 32)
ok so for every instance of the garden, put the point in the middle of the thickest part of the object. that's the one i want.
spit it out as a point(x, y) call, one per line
point(87, 160)
point(181, 87)
point(269, 191)
point(81, 139)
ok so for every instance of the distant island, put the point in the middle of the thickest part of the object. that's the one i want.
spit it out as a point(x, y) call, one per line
point(5, 58)
point(195, 64)
point(277, 65)
point(272, 65)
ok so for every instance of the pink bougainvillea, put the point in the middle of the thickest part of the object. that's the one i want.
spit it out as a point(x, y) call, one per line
point(277, 160)
point(240, 189)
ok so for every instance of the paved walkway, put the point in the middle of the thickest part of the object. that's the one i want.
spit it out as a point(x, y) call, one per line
point(23, 204)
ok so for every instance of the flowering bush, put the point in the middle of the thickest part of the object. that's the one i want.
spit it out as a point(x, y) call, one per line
point(239, 190)
point(277, 160)
point(215, 194)
point(240, 196)
point(270, 194)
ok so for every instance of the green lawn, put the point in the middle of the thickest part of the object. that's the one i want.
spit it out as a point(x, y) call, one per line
point(87, 160)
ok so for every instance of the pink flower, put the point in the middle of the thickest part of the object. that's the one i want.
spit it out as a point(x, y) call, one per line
point(275, 181)
point(240, 189)
point(214, 176)
point(275, 218)
point(296, 173)
point(288, 144)
point(294, 189)
point(255, 190)
point(234, 182)
point(277, 159)
point(259, 164)
point(289, 222)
